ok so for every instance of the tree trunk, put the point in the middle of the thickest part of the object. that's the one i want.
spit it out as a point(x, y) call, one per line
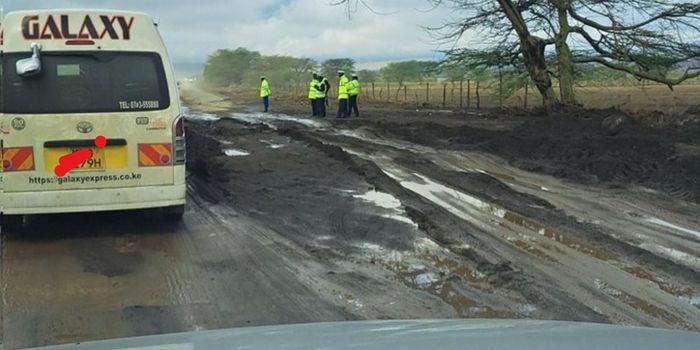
point(532, 48)
point(533, 53)
point(564, 58)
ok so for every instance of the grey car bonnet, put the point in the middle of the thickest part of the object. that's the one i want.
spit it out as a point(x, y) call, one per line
point(419, 334)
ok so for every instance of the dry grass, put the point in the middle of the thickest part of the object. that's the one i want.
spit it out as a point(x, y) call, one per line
point(629, 98)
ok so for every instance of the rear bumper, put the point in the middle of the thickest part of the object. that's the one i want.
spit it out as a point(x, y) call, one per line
point(91, 200)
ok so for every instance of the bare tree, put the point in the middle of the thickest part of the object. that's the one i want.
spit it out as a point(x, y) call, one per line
point(656, 40)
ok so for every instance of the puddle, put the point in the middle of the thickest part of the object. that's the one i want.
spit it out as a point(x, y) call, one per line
point(269, 119)
point(527, 309)
point(200, 116)
point(389, 202)
point(667, 224)
point(272, 144)
point(426, 279)
point(458, 203)
point(692, 300)
point(235, 152)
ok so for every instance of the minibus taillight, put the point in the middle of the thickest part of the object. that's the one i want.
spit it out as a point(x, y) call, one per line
point(179, 143)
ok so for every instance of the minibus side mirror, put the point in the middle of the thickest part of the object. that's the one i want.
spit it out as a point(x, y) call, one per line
point(32, 65)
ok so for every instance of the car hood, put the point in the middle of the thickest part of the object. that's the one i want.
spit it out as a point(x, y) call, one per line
point(417, 334)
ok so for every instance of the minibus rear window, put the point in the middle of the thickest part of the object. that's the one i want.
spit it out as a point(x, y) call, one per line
point(85, 82)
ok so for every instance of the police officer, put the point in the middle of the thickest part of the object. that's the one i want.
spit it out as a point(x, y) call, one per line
point(342, 95)
point(327, 88)
point(321, 97)
point(353, 92)
point(265, 92)
point(312, 95)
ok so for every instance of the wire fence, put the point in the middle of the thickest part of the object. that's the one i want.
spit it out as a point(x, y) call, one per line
point(469, 94)
point(482, 94)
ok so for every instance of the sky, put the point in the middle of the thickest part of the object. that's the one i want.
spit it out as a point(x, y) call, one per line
point(304, 28)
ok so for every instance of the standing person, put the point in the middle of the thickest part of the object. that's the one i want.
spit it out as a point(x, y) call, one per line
point(328, 89)
point(312, 95)
point(342, 95)
point(265, 92)
point(353, 92)
point(321, 97)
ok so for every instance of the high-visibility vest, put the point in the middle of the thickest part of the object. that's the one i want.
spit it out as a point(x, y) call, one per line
point(354, 87)
point(320, 90)
point(312, 89)
point(343, 88)
point(265, 89)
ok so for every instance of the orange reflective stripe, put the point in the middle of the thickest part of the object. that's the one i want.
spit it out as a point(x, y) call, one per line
point(157, 154)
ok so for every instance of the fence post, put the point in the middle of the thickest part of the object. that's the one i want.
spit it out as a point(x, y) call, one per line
point(469, 93)
point(478, 96)
point(373, 96)
point(444, 95)
point(427, 92)
point(461, 96)
point(405, 93)
point(527, 85)
point(388, 91)
point(500, 88)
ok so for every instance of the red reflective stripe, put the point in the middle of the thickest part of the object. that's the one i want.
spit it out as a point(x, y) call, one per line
point(16, 157)
point(151, 153)
point(20, 157)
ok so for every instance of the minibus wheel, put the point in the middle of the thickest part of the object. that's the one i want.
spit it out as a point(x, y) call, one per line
point(11, 223)
point(174, 213)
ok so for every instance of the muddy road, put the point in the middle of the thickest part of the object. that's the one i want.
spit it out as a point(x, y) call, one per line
point(295, 220)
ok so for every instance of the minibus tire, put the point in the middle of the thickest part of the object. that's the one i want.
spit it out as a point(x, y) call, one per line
point(11, 223)
point(174, 213)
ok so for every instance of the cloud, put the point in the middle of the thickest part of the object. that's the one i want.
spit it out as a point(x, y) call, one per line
point(310, 28)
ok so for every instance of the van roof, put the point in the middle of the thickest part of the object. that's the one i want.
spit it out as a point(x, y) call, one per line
point(79, 29)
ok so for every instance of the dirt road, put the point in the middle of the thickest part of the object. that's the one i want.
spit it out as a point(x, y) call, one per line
point(298, 220)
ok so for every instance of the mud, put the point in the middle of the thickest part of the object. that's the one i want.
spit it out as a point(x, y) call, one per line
point(292, 219)
point(577, 148)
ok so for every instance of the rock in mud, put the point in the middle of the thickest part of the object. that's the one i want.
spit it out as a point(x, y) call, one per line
point(613, 124)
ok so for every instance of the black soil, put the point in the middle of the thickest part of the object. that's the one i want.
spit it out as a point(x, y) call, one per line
point(578, 148)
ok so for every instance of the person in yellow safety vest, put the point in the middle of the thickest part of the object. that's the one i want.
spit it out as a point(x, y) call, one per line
point(321, 96)
point(312, 95)
point(265, 92)
point(353, 92)
point(342, 95)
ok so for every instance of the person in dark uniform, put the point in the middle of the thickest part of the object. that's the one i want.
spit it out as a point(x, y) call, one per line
point(321, 97)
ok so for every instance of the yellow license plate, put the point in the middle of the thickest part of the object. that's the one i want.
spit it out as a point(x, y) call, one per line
point(101, 159)
point(97, 161)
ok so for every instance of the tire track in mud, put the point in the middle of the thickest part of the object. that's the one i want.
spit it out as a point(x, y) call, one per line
point(432, 219)
point(494, 256)
point(637, 304)
point(449, 266)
